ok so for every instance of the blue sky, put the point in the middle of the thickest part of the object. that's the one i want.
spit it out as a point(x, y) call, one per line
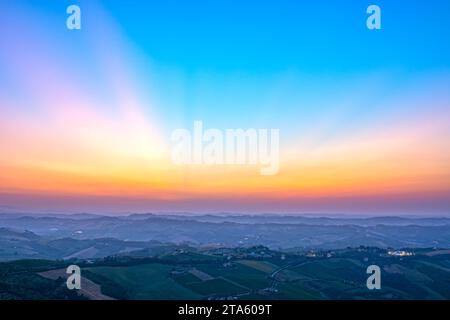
point(271, 36)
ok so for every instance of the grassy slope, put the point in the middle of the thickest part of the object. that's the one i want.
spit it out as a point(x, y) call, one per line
point(148, 281)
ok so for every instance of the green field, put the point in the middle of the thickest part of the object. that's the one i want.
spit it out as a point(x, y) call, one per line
point(198, 275)
point(148, 281)
point(216, 287)
point(314, 278)
point(239, 273)
point(154, 281)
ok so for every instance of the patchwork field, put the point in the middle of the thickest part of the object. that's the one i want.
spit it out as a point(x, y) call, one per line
point(313, 278)
point(336, 275)
point(89, 288)
point(148, 281)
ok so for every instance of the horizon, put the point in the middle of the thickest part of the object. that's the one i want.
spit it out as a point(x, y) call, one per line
point(44, 213)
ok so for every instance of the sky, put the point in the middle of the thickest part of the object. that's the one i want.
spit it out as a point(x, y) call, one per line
point(86, 115)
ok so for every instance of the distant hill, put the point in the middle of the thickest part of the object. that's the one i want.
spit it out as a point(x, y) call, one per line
point(16, 245)
point(276, 232)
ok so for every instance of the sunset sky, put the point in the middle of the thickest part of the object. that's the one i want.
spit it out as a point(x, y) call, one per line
point(86, 115)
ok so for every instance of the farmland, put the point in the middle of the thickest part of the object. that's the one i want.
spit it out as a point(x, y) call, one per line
point(239, 273)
